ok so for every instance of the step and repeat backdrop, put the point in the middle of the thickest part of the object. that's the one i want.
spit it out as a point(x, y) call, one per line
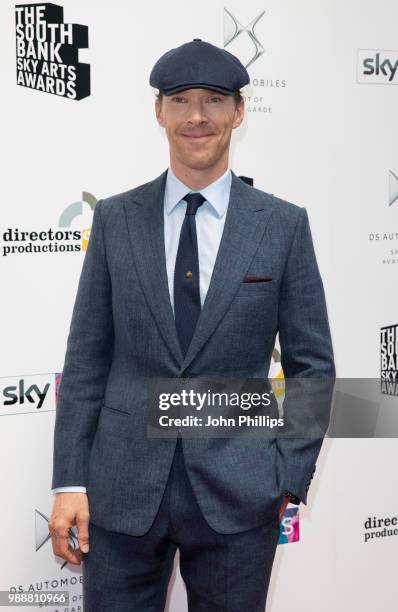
point(78, 124)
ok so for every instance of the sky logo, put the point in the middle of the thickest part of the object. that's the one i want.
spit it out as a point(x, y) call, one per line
point(377, 67)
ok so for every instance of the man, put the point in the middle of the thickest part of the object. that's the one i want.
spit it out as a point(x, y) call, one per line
point(189, 275)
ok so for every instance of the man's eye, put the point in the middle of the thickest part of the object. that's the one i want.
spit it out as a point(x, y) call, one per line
point(181, 99)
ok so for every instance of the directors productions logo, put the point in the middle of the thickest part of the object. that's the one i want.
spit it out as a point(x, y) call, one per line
point(377, 67)
point(379, 528)
point(245, 42)
point(48, 51)
point(15, 241)
point(389, 359)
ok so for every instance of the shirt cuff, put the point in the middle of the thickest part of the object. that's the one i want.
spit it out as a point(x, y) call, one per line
point(69, 490)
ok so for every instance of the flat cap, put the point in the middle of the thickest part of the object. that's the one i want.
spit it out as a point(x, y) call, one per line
point(198, 64)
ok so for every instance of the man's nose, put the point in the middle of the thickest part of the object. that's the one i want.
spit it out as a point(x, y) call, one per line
point(196, 111)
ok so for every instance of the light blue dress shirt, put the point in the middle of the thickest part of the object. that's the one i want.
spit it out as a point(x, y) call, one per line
point(210, 219)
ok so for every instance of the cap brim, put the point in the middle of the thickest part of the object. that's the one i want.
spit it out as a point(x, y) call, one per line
point(169, 92)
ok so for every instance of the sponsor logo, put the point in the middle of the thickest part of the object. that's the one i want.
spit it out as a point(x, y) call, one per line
point(233, 28)
point(384, 241)
point(15, 241)
point(245, 42)
point(29, 393)
point(377, 67)
point(379, 528)
point(289, 529)
point(392, 188)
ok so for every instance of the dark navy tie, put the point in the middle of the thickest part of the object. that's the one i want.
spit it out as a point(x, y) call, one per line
point(186, 274)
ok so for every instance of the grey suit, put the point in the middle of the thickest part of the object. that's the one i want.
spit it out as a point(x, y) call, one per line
point(123, 332)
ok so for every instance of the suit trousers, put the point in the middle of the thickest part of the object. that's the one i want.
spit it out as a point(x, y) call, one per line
point(221, 572)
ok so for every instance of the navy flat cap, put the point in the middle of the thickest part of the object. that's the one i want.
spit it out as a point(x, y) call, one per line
point(198, 64)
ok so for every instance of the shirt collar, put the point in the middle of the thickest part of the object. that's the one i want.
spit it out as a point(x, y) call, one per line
point(216, 194)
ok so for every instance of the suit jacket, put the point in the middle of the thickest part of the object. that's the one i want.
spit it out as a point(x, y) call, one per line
point(122, 332)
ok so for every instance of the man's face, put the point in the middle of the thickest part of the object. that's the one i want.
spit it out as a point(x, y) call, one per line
point(198, 124)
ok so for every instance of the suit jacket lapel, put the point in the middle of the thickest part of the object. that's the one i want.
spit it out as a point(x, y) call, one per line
point(245, 223)
point(146, 228)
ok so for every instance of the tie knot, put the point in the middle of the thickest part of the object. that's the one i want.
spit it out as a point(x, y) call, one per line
point(193, 200)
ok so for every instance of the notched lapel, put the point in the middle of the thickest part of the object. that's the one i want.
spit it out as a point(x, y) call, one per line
point(144, 215)
point(245, 223)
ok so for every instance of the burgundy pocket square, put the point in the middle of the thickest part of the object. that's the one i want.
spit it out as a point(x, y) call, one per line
point(256, 279)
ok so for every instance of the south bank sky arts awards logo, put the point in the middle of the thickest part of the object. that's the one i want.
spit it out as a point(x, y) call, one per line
point(48, 51)
point(389, 359)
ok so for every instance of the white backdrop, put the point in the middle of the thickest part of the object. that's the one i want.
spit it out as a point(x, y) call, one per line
point(318, 132)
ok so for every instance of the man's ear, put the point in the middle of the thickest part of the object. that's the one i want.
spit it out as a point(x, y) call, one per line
point(158, 112)
point(239, 114)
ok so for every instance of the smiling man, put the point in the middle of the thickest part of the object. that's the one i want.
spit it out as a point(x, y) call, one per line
point(199, 123)
point(190, 275)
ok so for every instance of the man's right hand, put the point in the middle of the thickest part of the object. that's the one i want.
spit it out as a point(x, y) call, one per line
point(69, 509)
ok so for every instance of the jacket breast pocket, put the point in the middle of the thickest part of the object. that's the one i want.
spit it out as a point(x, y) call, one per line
point(261, 288)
